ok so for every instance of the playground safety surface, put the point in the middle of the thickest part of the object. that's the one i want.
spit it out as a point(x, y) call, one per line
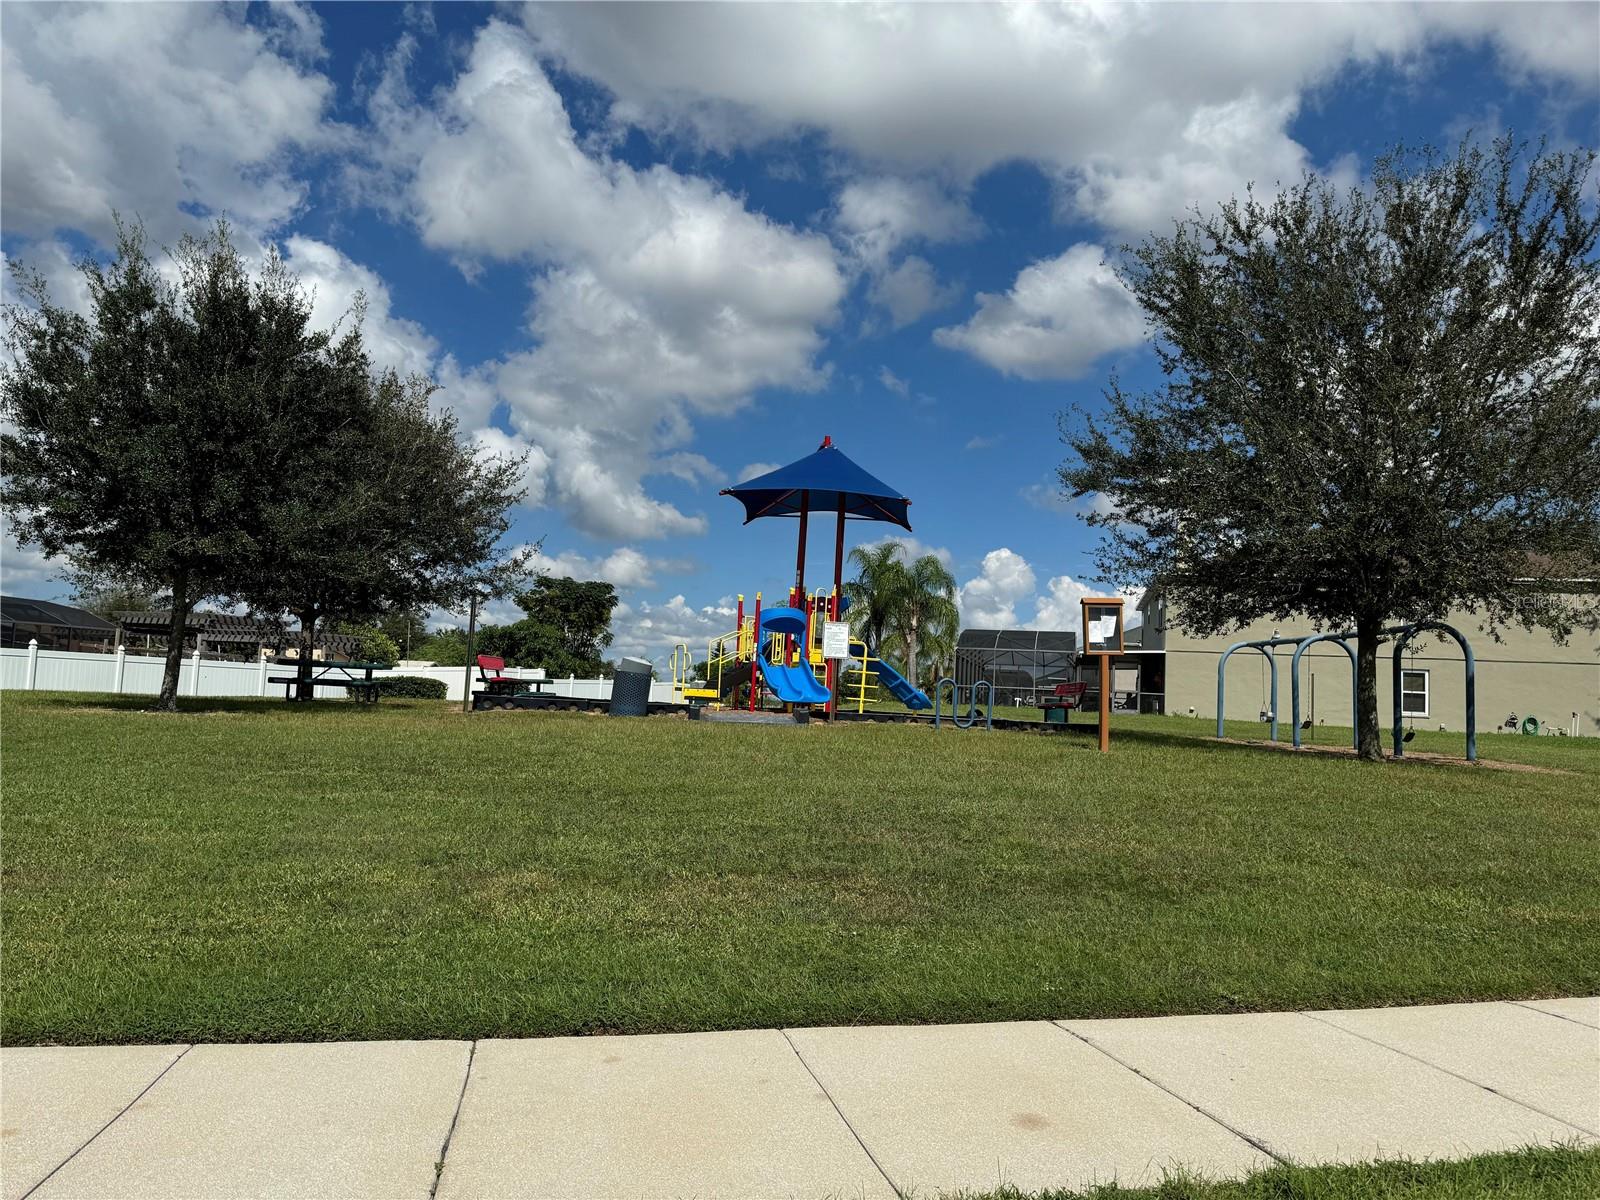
point(863, 1111)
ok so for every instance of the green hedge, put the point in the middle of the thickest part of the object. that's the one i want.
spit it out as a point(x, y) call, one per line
point(412, 687)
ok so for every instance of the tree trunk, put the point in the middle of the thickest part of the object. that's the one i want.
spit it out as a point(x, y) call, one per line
point(1370, 739)
point(167, 701)
point(911, 653)
point(308, 642)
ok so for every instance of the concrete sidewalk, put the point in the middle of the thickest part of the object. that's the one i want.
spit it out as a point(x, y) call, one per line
point(860, 1112)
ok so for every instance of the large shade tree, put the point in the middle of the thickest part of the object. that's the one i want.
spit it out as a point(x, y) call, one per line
point(566, 629)
point(386, 510)
point(1377, 404)
point(148, 436)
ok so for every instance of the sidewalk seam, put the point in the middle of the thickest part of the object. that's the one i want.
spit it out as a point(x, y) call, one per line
point(1184, 1100)
point(1453, 1074)
point(865, 1149)
point(1545, 1012)
point(444, 1150)
point(90, 1140)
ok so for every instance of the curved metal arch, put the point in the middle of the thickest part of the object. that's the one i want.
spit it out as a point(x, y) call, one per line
point(1471, 663)
point(1337, 639)
point(1222, 666)
point(955, 702)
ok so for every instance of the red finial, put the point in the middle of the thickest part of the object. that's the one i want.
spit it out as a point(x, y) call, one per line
point(826, 442)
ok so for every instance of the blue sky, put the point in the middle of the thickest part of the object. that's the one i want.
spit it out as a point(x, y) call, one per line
point(654, 247)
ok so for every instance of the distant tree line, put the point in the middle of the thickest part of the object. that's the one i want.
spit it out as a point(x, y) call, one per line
point(194, 437)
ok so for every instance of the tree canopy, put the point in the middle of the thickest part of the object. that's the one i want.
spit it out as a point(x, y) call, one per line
point(1376, 405)
point(148, 437)
point(566, 629)
point(902, 607)
point(196, 436)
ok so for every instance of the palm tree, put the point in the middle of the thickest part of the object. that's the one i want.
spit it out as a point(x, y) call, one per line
point(923, 612)
point(874, 593)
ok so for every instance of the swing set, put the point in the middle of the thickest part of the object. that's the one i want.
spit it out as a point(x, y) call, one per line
point(1402, 635)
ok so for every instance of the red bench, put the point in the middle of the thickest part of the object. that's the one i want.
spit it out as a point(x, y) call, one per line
point(1068, 697)
point(498, 683)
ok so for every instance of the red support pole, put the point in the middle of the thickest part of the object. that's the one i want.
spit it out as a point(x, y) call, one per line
point(837, 600)
point(755, 653)
point(800, 552)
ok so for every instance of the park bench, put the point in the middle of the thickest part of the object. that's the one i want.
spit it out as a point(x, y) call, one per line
point(491, 673)
point(1067, 697)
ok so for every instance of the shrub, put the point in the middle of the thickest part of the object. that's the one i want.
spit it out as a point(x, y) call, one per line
point(412, 687)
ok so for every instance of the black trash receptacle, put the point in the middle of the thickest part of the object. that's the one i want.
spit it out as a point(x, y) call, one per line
point(630, 689)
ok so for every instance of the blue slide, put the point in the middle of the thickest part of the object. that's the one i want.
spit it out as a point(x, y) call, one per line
point(901, 688)
point(792, 685)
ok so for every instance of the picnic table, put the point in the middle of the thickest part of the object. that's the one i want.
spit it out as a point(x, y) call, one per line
point(354, 677)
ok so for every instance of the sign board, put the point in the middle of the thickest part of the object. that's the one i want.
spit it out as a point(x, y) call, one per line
point(835, 639)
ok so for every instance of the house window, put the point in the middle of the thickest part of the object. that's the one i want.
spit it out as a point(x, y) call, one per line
point(1414, 693)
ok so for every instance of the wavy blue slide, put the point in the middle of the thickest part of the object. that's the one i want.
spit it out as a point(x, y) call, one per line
point(792, 685)
point(901, 688)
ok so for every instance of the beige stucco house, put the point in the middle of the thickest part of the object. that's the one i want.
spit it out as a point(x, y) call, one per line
point(1526, 673)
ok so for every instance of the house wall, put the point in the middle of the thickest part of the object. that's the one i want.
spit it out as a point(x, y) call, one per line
point(1524, 672)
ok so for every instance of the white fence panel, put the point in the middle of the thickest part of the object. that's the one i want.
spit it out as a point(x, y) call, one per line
point(63, 671)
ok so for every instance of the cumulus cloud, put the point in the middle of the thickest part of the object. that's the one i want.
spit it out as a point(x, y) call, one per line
point(652, 630)
point(912, 548)
point(989, 600)
point(755, 469)
point(911, 290)
point(1125, 106)
point(1060, 316)
point(877, 215)
point(625, 567)
point(659, 297)
point(1002, 596)
point(168, 113)
point(24, 571)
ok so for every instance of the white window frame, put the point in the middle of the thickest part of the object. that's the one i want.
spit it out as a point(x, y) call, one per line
point(1427, 692)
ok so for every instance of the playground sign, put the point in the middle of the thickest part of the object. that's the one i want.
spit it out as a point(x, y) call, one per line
point(836, 639)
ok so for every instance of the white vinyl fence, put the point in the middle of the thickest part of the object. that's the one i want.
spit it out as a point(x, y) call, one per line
point(121, 673)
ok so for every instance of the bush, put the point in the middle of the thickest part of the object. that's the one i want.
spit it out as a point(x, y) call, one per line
point(412, 687)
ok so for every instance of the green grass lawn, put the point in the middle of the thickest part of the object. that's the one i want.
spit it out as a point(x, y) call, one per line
point(1539, 1173)
point(255, 870)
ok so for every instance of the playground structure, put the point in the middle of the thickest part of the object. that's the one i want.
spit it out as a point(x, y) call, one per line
point(799, 653)
point(779, 653)
point(1402, 635)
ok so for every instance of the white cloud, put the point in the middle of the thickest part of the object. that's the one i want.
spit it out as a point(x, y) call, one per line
point(752, 470)
point(652, 630)
point(1060, 315)
point(879, 214)
point(333, 279)
point(989, 601)
point(1126, 106)
point(912, 548)
point(665, 298)
point(893, 382)
point(25, 571)
point(164, 112)
point(910, 291)
point(625, 567)
point(1003, 591)
point(981, 442)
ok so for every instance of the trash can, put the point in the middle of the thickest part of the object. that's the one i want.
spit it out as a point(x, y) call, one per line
point(630, 689)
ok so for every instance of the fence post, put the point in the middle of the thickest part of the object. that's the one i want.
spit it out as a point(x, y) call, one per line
point(194, 679)
point(122, 666)
point(33, 663)
point(261, 673)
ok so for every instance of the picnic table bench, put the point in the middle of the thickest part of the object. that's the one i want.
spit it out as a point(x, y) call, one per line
point(324, 674)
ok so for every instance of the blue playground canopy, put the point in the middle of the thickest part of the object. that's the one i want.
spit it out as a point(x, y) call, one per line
point(825, 481)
